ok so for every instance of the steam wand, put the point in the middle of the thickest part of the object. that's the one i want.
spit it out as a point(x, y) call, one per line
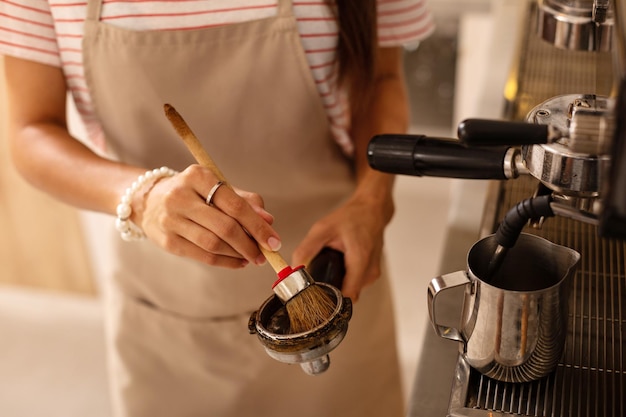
point(512, 225)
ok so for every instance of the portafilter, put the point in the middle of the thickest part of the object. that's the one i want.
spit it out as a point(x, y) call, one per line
point(309, 349)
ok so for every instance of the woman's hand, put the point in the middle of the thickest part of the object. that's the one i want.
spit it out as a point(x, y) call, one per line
point(356, 229)
point(174, 214)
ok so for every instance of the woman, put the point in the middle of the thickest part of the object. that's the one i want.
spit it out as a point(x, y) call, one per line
point(285, 97)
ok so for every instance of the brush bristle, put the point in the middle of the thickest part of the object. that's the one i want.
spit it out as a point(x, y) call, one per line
point(309, 308)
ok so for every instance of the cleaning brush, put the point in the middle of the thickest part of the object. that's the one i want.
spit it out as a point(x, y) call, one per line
point(308, 305)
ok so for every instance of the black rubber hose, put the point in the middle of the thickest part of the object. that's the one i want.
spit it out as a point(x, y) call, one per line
point(517, 217)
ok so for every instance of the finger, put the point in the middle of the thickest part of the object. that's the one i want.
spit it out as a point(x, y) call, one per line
point(371, 273)
point(183, 247)
point(373, 270)
point(361, 270)
point(306, 251)
point(257, 204)
point(236, 207)
point(264, 214)
point(207, 240)
point(218, 233)
point(312, 244)
point(184, 214)
point(254, 199)
point(212, 192)
point(352, 282)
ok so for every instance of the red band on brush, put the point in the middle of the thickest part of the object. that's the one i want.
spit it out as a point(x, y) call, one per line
point(285, 272)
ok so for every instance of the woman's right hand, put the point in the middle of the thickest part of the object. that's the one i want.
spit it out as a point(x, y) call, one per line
point(173, 213)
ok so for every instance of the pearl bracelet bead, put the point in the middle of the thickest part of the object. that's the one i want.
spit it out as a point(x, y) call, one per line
point(129, 230)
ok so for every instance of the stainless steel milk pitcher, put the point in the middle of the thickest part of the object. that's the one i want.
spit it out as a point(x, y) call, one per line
point(514, 325)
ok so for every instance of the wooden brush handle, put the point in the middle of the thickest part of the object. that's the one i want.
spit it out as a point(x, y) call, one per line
point(203, 158)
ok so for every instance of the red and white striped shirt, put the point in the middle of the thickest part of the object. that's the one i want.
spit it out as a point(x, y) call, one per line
point(51, 32)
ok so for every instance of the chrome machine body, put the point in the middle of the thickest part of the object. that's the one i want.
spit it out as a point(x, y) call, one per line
point(562, 136)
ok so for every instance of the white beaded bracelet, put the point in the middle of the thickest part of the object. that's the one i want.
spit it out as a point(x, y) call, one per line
point(129, 230)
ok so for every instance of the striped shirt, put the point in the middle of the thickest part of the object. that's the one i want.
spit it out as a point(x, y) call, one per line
point(51, 32)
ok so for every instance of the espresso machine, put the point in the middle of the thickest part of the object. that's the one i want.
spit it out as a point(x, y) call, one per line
point(556, 162)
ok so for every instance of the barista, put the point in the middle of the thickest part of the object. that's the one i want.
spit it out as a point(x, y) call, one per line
point(286, 115)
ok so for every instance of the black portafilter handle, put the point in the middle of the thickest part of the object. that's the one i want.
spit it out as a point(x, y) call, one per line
point(329, 267)
point(516, 218)
point(485, 132)
point(420, 155)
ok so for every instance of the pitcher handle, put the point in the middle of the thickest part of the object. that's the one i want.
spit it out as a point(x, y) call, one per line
point(441, 283)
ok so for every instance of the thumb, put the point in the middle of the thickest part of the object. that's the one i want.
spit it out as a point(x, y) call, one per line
point(306, 251)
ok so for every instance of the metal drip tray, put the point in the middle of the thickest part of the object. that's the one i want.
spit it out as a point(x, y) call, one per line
point(590, 380)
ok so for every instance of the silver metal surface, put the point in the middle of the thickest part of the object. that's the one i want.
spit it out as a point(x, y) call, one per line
point(592, 124)
point(620, 36)
point(581, 209)
point(513, 165)
point(566, 172)
point(316, 366)
point(562, 166)
point(582, 25)
point(544, 71)
point(291, 285)
point(513, 326)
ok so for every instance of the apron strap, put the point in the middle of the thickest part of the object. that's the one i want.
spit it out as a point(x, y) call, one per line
point(284, 8)
point(94, 8)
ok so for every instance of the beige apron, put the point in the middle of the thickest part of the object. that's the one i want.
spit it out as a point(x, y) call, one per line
point(177, 328)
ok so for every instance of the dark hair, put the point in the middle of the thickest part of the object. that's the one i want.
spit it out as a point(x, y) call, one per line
point(356, 50)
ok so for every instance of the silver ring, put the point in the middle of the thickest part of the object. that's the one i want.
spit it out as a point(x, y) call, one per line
point(209, 198)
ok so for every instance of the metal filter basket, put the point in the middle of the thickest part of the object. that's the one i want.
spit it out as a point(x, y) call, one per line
point(310, 349)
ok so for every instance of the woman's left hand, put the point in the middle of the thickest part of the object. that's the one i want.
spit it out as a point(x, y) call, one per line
point(356, 229)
